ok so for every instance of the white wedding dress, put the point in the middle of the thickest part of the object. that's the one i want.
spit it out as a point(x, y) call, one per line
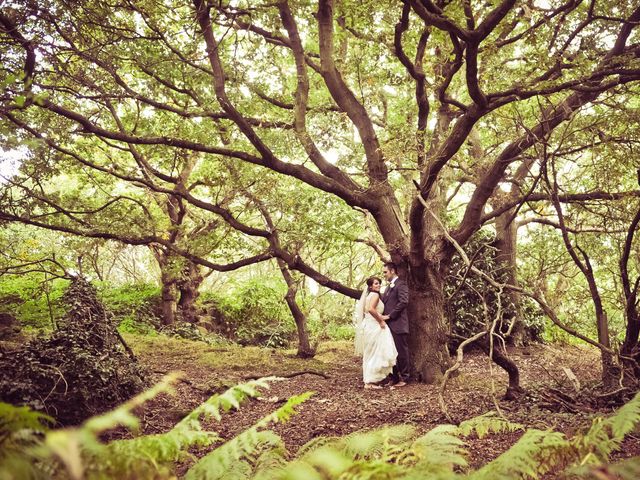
point(378, 348)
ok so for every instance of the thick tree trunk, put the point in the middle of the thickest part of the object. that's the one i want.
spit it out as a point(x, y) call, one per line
point(629, 351)
point(168, 299)
point(506, 245)
point(168, 293)
point(428, 334)
point(188, 286)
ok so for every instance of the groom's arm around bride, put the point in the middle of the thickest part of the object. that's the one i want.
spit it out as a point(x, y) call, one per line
point(397, 312)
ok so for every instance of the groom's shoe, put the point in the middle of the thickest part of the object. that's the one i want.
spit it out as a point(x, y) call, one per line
point(387, 382)
point(400, 384)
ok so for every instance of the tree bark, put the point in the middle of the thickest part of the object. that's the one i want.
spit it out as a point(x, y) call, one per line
point(304, 347)
point(428, 328)
point(168, 298)
point(188, 286)
point(629, 350)
point(501, 359)
point(506, 246)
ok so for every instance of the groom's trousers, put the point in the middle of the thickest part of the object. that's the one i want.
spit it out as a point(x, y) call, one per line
point(401, 368)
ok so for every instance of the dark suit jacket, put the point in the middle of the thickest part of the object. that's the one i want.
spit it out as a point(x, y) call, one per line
point(396, 300)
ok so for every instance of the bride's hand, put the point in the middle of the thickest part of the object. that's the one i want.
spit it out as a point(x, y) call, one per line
point(383, 325)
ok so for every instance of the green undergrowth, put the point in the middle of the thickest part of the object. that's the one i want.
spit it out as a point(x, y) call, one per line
point(229, 357)
point(29, 449)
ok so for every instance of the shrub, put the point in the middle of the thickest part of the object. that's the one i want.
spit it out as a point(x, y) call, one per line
point(135, 306)
point(254, 313)
point(330, 317)
point(464, 295)
point(189, 331)
point(32, 301)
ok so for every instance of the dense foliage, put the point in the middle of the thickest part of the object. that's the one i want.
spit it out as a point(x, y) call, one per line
point(471, 302)
point(217, 136)
point(79, 370)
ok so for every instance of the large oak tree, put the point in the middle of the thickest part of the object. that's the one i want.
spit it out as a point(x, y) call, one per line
point(356, 99)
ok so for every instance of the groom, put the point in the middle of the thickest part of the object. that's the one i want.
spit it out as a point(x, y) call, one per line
point(396, 300)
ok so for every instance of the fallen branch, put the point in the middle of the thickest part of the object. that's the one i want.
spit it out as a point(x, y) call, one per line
point(289, 375)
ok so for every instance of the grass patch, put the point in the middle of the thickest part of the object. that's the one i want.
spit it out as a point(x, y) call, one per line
point(177, 353)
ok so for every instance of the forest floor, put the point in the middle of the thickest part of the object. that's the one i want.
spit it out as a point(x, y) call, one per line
point(340, 405)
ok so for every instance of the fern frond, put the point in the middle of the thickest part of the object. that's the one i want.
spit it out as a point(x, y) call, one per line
point(628, 469)
point(487, 423)
point(270, 463)
point(314, 444)
point(607, 434)
point(625, 419)
point(141, 456)
point(285, 412)
point(239, 454)
point(536, 453)
point(21, 431)
point(231, 398)
point(381, 442)
point(134, 458)
point(439, 450)
point(13, 419)
point(122, 415)
point(319, 464)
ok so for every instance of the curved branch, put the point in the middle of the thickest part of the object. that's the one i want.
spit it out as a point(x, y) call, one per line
point(431, 15)
point(345, 98)
point(268, 159)
point(564, 198)
point(9, 27)
point(301, 100)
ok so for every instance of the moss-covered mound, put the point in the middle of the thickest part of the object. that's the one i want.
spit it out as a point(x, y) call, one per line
point(82, 369)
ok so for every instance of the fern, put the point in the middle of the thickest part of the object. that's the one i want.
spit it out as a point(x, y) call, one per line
point(362, 455)
point(389, 452)
point(606, 434)
point(146, 456)
point(81, 455)
point(378, 443)
point(13, 419)
point(439, 450)
point(534, 454)
point(154, 454)
point(30, 450)
point(628, 469)
point(235, 458)
point(482, 425)
point(21, 429)
point(231, 398)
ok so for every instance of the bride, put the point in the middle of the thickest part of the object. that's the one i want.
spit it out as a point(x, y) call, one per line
point(373, 339)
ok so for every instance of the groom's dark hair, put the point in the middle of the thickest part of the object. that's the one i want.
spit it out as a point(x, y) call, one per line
point(391, 266)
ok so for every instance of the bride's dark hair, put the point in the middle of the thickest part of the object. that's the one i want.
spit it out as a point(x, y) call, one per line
point(370, 281)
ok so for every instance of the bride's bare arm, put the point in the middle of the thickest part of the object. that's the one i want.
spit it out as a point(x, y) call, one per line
point(371, 308)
